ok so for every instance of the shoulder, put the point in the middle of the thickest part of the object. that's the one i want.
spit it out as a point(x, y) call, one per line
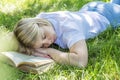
point(71, 37)
point(81, 44)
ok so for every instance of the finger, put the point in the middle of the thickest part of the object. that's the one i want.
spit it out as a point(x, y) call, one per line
point(41, 50)
point(41, 55)
point(38, 54)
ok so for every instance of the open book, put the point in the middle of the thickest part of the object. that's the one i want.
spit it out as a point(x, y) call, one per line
point(27, 63)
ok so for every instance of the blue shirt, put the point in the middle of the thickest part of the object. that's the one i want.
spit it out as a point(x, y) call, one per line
point(71, 27)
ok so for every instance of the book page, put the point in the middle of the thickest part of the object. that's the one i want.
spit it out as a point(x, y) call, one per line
point(14, 57)
point(6, 60)
point(37, 70)
point(22, 59)
point(36, 61)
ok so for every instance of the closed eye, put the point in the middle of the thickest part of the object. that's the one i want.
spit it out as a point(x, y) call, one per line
point(44, 37)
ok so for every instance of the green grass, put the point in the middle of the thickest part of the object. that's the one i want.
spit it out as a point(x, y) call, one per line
point(104, 50)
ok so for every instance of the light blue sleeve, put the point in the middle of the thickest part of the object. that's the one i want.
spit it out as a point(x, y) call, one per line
point(70, 38)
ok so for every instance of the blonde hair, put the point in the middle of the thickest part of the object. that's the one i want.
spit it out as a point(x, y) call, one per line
point(27, 30)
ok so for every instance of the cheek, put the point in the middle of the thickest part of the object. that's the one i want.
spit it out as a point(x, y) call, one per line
point(50, 34)
point(37, 45)
point(49, 37)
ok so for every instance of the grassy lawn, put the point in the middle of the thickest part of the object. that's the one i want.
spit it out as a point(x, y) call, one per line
point(104, 50)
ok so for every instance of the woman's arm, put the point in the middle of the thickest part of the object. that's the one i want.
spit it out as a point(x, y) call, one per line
point(78, 55)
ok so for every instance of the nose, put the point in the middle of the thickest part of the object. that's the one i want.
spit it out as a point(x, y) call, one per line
point(47, 43)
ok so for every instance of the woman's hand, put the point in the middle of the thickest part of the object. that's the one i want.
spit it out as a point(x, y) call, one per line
point(40, 53)
point(50, 52)
point(34, 52)
point(78, 55)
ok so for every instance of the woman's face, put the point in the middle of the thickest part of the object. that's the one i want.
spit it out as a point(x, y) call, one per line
point(46, 37)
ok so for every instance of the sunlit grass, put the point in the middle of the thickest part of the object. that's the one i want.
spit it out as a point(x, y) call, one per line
point(104, 50)
point(9, 6)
